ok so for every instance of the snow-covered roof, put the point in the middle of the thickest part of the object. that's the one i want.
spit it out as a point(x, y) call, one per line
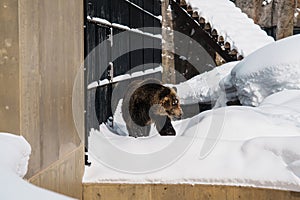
point(234, 25)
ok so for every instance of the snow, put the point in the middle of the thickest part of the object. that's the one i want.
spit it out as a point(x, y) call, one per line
point(266, 2)
point(204, 87)
point(15, 152)
point(235, 26)
point(15, 188)
point(273, 68)
point(14, 156)
point(124, 77)
point(142, 31)
point(255, 146)
point(234, 145)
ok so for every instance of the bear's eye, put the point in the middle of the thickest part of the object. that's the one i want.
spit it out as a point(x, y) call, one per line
point(175, 102)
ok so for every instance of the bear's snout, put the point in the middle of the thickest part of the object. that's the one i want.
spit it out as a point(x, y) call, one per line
point(177, 114)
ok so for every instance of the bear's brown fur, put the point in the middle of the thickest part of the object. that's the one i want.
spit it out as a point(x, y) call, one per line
point(146, 102)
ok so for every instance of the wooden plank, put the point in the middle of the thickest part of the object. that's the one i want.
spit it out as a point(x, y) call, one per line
point(49, 179)
point(9, 68)
point(161, 192)
point(63, 176)
point(42, 43)
point(30, 81)
point(94, 191)
point(51, 52)
point(116, 192)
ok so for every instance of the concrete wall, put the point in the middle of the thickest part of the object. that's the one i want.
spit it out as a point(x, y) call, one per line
point(41, 50)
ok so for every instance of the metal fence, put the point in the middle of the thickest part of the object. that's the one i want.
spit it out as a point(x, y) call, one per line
point(105, 20)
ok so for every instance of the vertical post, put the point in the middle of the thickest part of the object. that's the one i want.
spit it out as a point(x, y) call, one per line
point(168, 64)
point(110, 74)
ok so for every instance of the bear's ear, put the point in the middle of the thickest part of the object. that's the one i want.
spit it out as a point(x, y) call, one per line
point(164, 92)
point(174, 88)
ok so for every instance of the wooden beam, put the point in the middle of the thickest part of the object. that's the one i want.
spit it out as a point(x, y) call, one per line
point(94, 191)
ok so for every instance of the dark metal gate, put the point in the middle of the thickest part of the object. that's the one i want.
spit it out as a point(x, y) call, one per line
point(105, 59)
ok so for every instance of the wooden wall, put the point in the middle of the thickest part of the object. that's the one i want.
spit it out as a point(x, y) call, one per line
point(63, 176)
point(41, 51)
point(182, 192)
point(9, 67)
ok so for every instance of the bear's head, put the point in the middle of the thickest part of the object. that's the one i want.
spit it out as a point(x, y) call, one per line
point(170, 104)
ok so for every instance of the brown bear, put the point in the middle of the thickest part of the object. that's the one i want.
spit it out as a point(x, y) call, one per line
point(146, 102)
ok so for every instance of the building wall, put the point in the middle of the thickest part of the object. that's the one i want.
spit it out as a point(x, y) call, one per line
point(41, 51)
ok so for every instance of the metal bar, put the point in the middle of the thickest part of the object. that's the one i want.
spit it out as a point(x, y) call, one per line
point(143, 10)
point(107, 24)
point(101, 83)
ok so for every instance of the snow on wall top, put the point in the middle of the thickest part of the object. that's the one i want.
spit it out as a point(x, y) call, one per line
point(234, 25)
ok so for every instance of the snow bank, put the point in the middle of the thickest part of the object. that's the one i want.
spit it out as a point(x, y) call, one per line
point(204, 87)
point(273, 68)
point(253, 146)
point(236, 28)
point(15, 188)
point(14, 153)
point(14, 156)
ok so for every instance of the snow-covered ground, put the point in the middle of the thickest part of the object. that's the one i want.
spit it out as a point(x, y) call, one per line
point(14, 156)
point(236, 145)
point(236, 27)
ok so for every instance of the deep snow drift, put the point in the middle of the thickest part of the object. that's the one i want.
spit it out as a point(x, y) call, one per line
point(237, 145)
